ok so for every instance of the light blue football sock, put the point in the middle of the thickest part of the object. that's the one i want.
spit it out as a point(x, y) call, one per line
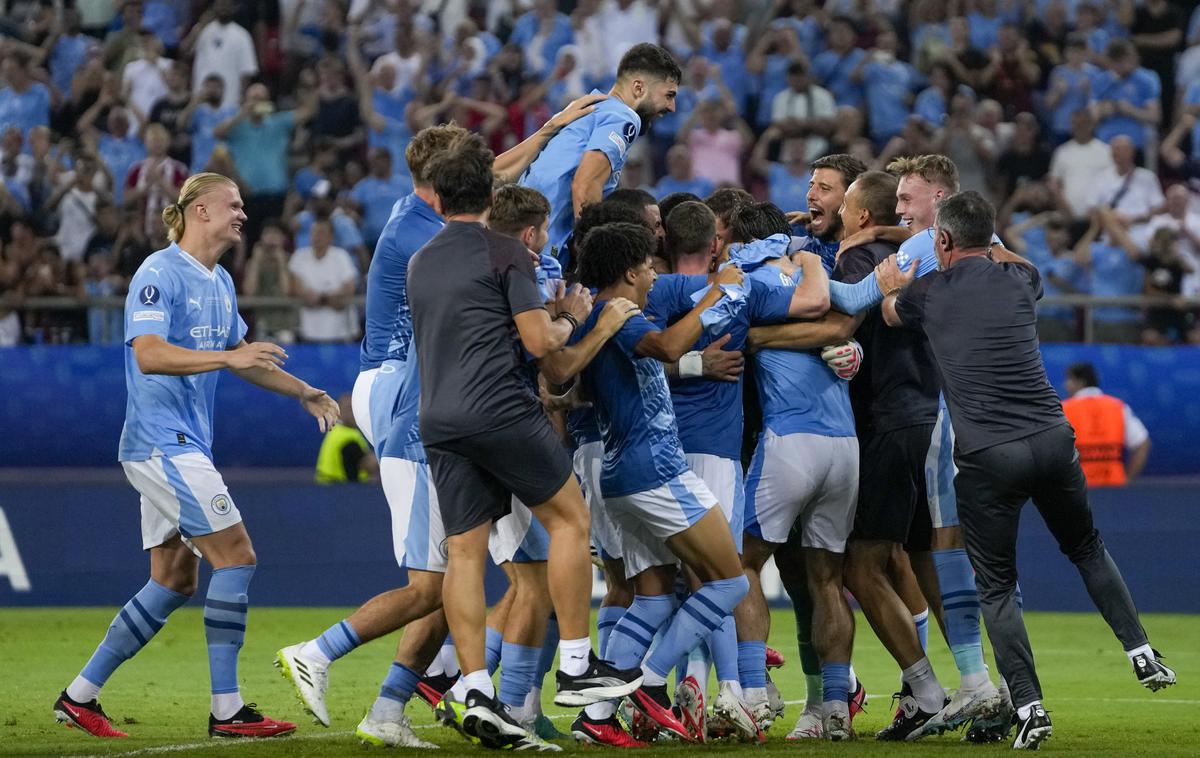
point(632, 635)
point(724, 646)
point(518, 667)
point(493, 639)
point(960, 603)
point(225, 610)
point(699, 616)
point(835, 682)
point(921, 622)
point(400, 683)
point(606, 618)
point(338, 640)
point(752, 664)
point(132, 627)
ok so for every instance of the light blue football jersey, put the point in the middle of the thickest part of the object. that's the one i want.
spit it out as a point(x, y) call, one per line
point(920, 245)
point(706, 409)
point(797, 391)
point(176, 297)
point(413, 222)
point(634, 412)
point(611, 129)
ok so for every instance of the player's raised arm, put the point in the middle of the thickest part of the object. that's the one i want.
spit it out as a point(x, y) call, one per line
point(677, 339)
point(512, 163)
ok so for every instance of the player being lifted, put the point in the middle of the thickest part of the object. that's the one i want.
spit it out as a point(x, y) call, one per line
point(181, 327)
point(582, 164)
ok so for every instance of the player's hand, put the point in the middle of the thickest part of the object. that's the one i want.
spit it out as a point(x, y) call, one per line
point(798, 218)
point(859, 238)
point(577, 301)
point(844, 358)
point(889, 276)
point(721, 364)
point(731, 275)
point(615, 313)
point(576, 109)
point(323, 408)
point(261, 355)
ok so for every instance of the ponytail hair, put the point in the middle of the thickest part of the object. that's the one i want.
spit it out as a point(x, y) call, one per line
point(173, 215)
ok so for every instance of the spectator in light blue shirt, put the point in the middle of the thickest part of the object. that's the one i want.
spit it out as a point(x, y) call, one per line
point(679, 176)
point(1070, 87)
point(833, 68)
point(119, 150)
point(24, 103)
point(375, 194)
point(985, 24)
point(204, 118)
point(540, 33)
point(1126, 97)
point(69, 52)
point(888, 84)
point(789, 177)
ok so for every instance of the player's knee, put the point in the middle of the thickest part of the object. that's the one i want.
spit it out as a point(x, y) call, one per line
point(427, 594)
point(1084, 550)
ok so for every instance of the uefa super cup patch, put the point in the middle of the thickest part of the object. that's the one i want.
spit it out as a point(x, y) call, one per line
point(220, 505)
point(149, 295)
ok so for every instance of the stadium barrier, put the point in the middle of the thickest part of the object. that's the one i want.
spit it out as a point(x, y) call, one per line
point(65, 405)
point(72, 538)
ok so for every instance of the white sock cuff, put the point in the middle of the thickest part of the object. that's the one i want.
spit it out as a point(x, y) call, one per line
point(1144, 650)
point(922, 616)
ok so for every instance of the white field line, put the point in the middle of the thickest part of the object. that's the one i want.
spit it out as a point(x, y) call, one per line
point(222, 744)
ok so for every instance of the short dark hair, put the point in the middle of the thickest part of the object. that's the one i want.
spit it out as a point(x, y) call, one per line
point(689, 228)
point(845, 164)
point(1085, 373)
point(1119, 49)
point(462, 176)
point(968, 218)
point(648, 58)
point(515, 208)
point(610, 250)
point(638, 198)
point(877, 194)
point(674, 200)
point(757, 221)
point(797, 68)
point(598, 214)
point(725, 201)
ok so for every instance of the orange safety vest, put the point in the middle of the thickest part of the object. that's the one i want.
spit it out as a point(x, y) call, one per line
point(1099, 423)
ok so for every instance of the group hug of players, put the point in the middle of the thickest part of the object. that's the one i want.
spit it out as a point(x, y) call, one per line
point(651, 319)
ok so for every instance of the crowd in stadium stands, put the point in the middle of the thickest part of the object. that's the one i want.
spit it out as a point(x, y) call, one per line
point(1079, 118)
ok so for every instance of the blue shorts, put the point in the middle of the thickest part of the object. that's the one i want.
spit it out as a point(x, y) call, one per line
point(940, 472)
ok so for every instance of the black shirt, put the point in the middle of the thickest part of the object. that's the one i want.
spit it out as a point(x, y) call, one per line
point(981, 320)
point(464, 287)
point(897, 386)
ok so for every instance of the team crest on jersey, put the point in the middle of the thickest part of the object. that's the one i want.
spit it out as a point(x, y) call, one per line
point(149, 295)
point(220, 505)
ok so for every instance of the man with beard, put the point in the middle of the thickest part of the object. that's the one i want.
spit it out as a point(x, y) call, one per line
point(582, 164)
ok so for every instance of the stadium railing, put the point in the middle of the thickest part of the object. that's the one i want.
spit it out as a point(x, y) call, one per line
point(1084, 305)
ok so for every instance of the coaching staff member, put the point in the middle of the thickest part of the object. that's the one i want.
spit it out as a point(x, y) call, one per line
point(1012, 443)
point(472, 293)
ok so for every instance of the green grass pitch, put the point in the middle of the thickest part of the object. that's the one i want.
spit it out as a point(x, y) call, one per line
point(161, 697)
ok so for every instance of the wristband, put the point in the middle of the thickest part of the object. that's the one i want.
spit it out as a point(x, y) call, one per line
point(691, 365)
point(571, 319)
